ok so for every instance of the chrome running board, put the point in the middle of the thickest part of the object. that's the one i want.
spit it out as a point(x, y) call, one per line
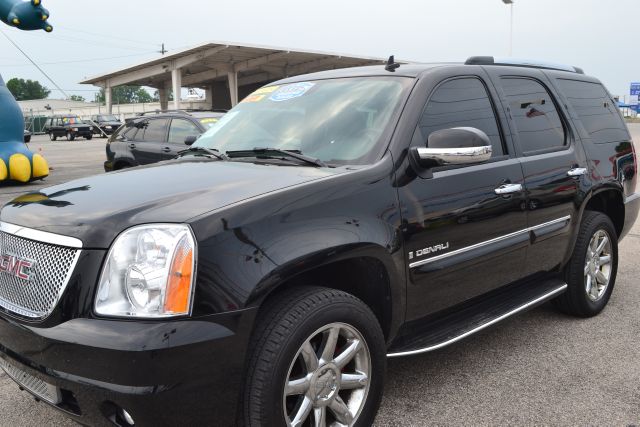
point(456, 326)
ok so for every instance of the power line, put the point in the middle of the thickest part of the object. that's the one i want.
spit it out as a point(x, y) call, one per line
point(33, 62)
point(81, 60)
point(110, 37)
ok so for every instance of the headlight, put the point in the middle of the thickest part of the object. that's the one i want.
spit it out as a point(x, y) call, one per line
point(75, 129)
point(149, 272)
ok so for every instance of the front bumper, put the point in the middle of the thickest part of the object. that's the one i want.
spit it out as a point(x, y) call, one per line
point(183, 372)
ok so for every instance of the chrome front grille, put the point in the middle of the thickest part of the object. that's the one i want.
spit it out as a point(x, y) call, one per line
point(34, 289)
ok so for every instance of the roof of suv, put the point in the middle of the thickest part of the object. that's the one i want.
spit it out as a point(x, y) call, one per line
point(415, 69)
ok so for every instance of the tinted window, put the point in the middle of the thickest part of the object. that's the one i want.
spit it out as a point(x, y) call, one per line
point(458, 103)
point(537, 121)
point(153, 130)
point(596, 110)
point(180, 129)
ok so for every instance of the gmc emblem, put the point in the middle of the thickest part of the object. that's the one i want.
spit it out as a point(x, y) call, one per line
point(19, 267)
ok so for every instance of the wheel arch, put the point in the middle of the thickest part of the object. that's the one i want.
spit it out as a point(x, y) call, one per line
point(365, 271)
point(608, 200)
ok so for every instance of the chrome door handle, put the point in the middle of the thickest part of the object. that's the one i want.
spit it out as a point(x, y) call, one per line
point(166, 149)
point(577, 172)
point(509, 188)
point(132, 145)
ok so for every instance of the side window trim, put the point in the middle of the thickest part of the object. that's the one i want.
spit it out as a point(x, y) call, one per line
point(505, 151)
point(569, 136)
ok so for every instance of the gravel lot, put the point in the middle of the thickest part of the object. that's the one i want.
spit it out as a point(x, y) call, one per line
point(540, 368)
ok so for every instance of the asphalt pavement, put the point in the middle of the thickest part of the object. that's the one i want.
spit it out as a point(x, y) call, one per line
point(539, 368)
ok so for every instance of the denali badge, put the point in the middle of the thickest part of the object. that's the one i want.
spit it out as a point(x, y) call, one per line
point(429, 250)
point(14, 265)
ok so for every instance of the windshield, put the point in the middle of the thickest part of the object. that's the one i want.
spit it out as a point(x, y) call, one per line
point(72, 120)
point(108, 118)
point(337, 121)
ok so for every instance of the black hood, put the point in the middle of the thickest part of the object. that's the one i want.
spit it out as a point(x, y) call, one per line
point(115, 124)
point(97, 208)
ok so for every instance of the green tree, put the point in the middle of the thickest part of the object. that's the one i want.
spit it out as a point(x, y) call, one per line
point(25, 90)
point(156, 95)
point(126, 95)
point(77, 98)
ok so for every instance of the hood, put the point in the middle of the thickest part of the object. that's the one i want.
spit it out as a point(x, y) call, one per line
point(97, 208)
point(118, 124)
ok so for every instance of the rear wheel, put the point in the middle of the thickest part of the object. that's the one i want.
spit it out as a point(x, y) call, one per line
point(591, 273)
point(318, 359)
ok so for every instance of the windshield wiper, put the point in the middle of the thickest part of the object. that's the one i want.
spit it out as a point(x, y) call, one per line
point(269, 152)
point(215, 153)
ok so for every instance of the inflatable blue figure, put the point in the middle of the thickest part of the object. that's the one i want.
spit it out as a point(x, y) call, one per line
point(25, 15)
point(17, 162)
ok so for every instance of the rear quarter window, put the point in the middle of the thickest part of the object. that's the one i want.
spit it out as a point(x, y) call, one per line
point(595, 109)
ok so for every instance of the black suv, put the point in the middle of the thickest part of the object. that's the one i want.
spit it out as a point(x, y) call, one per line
point(69, 126)
point(156, 136)
point(105, 124)
point(327, 222)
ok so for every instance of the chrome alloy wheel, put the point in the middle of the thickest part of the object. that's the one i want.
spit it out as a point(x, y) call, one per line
point(329, 378)
point(597, 267)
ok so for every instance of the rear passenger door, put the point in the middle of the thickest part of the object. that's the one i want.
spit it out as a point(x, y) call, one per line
point(178, 131)
point(553, 163)
point(462, 238)
point(149, 140)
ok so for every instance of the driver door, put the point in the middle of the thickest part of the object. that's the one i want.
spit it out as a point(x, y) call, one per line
point(462, 238)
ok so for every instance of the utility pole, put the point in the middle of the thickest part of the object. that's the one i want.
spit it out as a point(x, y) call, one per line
point(510, 3)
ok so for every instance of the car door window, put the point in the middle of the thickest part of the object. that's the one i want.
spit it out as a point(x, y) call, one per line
point(598, 113)
point(180, 129)
point(534, 113)
point(461, 102)
point(154, 130)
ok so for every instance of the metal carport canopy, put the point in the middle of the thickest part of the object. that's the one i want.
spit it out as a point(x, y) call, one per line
point(216, 65)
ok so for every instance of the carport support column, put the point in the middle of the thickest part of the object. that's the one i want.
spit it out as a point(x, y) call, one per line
point(208, 96)
point(233, 87)
point(176, 83)
point(163, 94)
point(108, 98)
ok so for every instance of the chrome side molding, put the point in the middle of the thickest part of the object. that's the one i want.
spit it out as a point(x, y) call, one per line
point(488, 242)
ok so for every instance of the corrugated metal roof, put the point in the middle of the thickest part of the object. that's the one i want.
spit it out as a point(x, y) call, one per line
point(212, 60)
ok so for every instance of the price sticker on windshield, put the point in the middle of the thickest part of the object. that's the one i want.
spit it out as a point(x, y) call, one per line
point(294, 90)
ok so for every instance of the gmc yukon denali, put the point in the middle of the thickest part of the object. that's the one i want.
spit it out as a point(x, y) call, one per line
point(326, 223)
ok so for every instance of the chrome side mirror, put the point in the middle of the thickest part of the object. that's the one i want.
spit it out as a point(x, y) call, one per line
point(455, 146)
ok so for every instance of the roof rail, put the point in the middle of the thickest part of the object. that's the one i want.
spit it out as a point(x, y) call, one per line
point(184, 111)
point(161, 112)
point(516, 62)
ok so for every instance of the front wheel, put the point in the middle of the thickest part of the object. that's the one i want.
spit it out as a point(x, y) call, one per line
point(52, 137)
point(70, 136)
point(89, 137)
point(591, 272)
point(318, 359)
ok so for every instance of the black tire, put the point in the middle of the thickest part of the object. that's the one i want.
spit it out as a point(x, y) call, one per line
point(575, 300)
point(70, 136)
point(89, 137)
point(27, 139)
point(52, 137)
point(282, 327)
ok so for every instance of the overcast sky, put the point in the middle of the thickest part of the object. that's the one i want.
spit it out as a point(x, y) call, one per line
point(107, 35)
